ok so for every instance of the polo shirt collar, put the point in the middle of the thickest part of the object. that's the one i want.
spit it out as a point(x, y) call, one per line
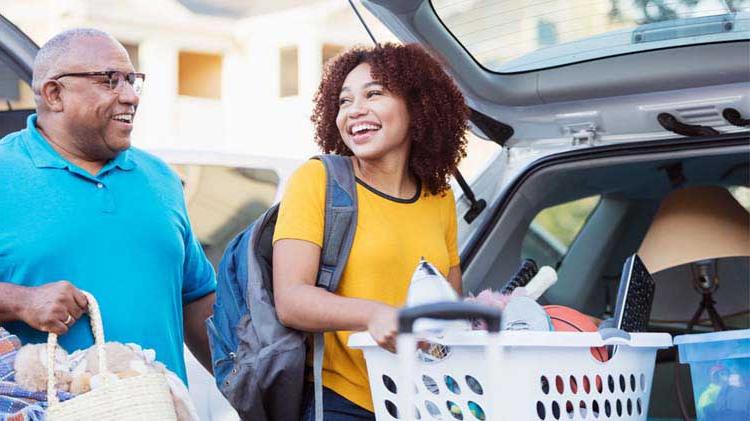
point(44, 156)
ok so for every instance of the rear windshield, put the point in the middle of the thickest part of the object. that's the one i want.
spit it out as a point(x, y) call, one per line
point(508, 36)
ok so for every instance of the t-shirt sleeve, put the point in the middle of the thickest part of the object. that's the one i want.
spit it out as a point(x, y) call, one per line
point(451, 232)
point(199, 278)
point(303, 204)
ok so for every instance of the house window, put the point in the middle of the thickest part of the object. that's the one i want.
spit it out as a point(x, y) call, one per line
point(330, 51)
point(132, 50)
point(199, 75)
point(546, 33)
point(289, 66)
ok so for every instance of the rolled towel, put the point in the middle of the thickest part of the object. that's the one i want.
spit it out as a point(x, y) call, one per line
point(539, 284)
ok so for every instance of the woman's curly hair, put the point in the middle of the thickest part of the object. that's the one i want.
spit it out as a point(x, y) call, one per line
point(437, 110)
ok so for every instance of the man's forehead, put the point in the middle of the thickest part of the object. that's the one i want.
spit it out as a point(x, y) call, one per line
point(96, 53)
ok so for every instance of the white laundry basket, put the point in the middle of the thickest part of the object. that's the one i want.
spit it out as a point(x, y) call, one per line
point(525, 376)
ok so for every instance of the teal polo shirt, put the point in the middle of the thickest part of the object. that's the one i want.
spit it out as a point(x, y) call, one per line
point(122, 235)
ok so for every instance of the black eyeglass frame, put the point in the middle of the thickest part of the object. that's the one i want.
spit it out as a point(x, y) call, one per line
point(130, 77)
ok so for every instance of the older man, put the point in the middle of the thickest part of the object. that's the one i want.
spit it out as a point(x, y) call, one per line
point(82, 210)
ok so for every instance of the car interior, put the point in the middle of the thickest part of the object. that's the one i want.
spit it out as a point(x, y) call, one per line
point(628, 188)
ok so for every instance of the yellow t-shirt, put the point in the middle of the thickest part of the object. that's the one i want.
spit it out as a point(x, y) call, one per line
point(392, 234)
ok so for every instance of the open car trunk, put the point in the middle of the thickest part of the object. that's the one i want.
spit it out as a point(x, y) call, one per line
point(629, 183)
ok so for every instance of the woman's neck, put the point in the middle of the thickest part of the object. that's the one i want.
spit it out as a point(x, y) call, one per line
point(391, 177)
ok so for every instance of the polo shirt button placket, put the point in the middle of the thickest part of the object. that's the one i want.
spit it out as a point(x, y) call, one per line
point(107, 201)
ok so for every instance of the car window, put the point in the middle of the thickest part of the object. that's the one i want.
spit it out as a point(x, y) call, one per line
point(16, 99)
point(510, 36)
point(15, 93)
point(553, 230)
point(223, 200)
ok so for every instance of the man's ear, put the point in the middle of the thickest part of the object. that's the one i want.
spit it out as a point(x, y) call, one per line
point(51, 93)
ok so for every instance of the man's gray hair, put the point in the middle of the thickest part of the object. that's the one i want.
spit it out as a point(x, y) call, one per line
point(47, 59)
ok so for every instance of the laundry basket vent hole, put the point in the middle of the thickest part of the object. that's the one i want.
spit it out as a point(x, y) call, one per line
point(540, 411)
point(599, 387)
point(432, 409)
point(430, 384)
point(417, 415)
point(607, 408)
point(433, 353)
point(618, 405)
point(573, 385)
point(632, 383)
point(570, 409)
point(474, 385)
point(611, 383)
point(556, 410)
point(630, 407)
point(545, 385)
point(452, 384)
point(622, 383)
point(586, 384)
point(476, 411)
point(391, 408)
point(454, 410)
point(643, 382)
point(583, 410)
point(595, 408)
point(560, 384)
point(389, 384)
point(638, 405)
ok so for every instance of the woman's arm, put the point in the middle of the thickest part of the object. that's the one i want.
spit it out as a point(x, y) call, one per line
point(301, 305)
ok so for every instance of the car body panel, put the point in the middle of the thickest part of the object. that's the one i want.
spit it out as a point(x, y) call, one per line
point(613, 97)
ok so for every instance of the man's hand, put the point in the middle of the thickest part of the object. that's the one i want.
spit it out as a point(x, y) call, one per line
point(53, 307)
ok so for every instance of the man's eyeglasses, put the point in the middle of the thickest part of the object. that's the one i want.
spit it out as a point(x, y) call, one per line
point(114, 78)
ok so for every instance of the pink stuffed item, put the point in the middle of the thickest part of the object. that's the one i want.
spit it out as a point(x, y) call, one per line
point(491, 298)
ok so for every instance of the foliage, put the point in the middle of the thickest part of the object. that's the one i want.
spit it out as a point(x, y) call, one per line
point(565, 221)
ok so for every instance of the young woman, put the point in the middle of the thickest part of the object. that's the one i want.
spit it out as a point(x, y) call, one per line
point(402, 120)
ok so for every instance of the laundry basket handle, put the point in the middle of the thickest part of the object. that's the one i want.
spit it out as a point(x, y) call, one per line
point(448, 311)
point(98, 330)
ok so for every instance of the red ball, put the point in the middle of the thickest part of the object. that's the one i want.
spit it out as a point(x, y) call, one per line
point(566, 319)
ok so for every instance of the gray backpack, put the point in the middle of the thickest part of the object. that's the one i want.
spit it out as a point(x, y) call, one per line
point(259, 363)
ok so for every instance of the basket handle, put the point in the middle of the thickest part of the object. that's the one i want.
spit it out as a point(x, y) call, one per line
point(448, 311)
point(98, 330)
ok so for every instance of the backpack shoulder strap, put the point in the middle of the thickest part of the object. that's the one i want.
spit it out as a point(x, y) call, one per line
point(339, 228)
point(340, 219)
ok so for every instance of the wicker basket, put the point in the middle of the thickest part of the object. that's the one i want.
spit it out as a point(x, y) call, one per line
point(144, 397)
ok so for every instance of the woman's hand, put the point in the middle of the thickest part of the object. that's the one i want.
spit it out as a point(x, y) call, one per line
point(383, 326)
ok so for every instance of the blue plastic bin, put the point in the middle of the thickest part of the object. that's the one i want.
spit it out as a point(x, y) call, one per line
point(720, 371)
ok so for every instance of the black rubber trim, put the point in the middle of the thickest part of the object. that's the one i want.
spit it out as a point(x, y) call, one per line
point(497, 131)
point(670, 122)
point(734, 117)
point(619, 150)
point(389, 197)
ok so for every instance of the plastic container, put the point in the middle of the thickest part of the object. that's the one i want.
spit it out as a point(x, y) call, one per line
point(720, 372)
point(524, 376)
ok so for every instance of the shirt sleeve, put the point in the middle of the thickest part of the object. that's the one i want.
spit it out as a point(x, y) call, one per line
point(451, 233)
point(301, 213)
